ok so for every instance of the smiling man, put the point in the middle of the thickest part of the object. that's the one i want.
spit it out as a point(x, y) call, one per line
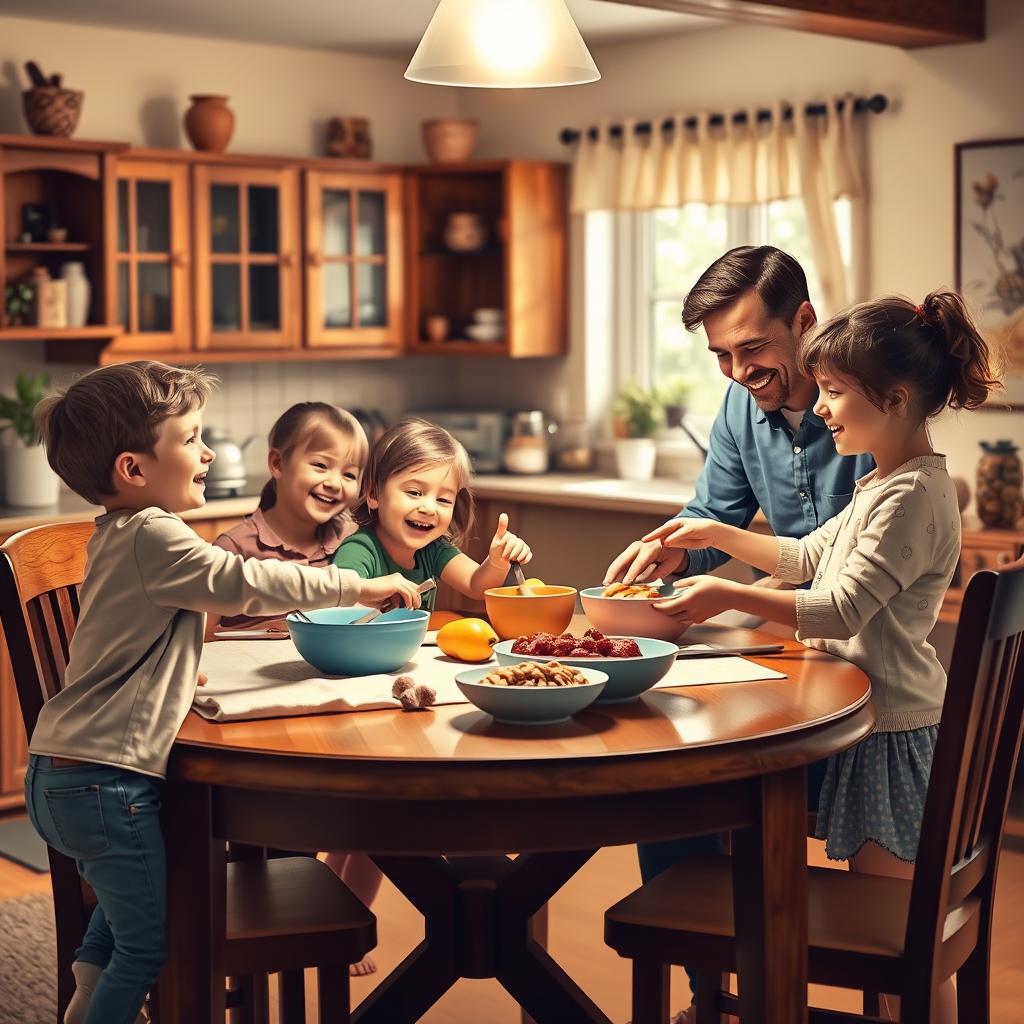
point(768, 449)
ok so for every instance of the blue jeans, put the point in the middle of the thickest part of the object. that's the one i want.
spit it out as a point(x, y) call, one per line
point(658, 857)
point(108, 820)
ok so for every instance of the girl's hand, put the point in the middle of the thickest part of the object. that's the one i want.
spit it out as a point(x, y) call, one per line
point(507, 547)
point(403, 592)
point(203, 679)
point(685, 533)
point(699, 597)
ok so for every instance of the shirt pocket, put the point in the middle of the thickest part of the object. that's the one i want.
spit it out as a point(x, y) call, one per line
point(833, 504)
point(77, 816)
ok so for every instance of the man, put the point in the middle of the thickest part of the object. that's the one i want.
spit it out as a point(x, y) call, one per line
point(767, 451)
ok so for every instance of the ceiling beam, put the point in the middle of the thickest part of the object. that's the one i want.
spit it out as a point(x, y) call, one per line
point(906, 23)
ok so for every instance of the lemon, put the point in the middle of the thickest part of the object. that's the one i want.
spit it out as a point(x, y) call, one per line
point(533, 582)
point(467, 639)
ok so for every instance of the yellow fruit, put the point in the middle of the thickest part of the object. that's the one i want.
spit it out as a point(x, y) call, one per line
point(533, 582)
point(467, 639)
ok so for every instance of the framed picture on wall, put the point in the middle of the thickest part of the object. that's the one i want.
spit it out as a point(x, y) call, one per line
point(989, 220)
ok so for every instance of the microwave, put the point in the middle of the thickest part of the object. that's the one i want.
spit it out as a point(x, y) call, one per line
point(482, 434)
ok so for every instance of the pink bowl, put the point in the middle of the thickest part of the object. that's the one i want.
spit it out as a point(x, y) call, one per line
point(618, 616)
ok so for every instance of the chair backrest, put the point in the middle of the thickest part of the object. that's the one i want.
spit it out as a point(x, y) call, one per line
point(972, 773)
point(40, 573)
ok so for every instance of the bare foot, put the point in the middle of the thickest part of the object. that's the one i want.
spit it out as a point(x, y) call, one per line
point(365, 966)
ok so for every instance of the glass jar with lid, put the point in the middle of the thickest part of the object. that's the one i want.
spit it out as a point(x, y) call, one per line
point(526, 450)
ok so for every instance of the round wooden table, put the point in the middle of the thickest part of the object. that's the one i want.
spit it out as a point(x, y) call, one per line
point(438, 798)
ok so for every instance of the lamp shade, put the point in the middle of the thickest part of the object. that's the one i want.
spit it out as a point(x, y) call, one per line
point(502, 44)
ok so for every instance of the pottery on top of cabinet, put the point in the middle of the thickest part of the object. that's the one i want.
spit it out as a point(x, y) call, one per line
point(449, 140)
point(209, 123)
point(49, 108)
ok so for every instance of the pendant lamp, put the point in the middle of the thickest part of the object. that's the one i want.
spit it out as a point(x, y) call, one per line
point(502, 44)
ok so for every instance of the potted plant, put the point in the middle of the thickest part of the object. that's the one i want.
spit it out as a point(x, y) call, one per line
point(638, 414)
point(28, 478)
point(674, 394)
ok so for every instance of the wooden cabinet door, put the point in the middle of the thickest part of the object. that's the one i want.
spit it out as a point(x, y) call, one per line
point(353, 260)
point(245, 224)
point(13, 742)
point(153, 258)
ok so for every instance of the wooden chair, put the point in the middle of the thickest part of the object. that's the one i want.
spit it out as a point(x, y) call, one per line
point(282, 915)
point(865, 932)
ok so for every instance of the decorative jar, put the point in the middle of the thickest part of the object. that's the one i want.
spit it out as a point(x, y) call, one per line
point(998, 492)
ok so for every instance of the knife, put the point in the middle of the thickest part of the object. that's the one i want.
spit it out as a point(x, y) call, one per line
point(729, 652)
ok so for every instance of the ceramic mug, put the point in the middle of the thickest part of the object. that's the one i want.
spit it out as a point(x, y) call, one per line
point(437, 327)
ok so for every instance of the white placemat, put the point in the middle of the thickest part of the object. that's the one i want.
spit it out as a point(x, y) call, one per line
point(704, 671)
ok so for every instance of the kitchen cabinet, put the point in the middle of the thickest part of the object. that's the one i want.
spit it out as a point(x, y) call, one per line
point(980, 549)
point(519, 267)
point(247, 275)
point(353, 260)
point(154, 258)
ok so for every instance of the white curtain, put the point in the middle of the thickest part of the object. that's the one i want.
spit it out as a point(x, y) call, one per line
point(817, 158)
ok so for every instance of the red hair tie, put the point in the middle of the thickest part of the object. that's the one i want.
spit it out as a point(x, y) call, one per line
point(919, 310)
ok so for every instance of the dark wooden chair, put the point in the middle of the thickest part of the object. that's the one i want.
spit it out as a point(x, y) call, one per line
point(865, 932)
point(282, 915)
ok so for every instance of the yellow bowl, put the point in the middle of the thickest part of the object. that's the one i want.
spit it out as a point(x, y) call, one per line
point(546, 610)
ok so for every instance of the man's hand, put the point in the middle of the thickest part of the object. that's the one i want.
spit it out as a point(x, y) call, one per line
point(646, 560)
point(395, 587)
point(506, 547)
point(685, 533)
point(699, 598)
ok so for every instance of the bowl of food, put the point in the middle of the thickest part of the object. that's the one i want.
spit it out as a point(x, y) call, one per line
point(621, 610)
point(533, 692)
point(333, 644)
point(542, 609)
point(633, 664)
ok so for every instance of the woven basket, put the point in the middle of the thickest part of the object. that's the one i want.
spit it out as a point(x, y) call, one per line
point(50, 110)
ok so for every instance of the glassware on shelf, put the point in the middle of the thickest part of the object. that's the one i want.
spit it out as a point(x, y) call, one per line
point(526, 450)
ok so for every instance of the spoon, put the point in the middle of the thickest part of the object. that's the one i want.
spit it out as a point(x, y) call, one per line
point(374, 613)
point(524, 590)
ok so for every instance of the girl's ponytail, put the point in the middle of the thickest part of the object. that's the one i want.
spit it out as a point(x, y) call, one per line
point(970, 370)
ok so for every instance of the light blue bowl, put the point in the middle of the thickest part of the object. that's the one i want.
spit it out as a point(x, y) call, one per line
point(333, 645)
point(627, 677)
point(530, 705)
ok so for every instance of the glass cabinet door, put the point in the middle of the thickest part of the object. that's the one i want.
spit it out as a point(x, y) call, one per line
point(353, 259)
point(152, 257)
point(246, 227)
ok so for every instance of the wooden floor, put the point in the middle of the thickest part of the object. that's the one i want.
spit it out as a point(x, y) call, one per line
point(576, 929)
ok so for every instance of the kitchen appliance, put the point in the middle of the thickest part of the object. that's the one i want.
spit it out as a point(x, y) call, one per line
point(526, 450)
point(226, 476)
point(480, 433)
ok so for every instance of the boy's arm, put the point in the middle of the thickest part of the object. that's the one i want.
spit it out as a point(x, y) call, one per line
point(180, 570)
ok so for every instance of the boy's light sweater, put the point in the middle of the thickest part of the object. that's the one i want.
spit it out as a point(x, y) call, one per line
point(134, 658)
point(880, 570)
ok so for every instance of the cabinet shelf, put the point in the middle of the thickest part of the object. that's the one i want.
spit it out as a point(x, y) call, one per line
point(94, 332)
point(484, 250)
point(463, 346)
point(45, 247)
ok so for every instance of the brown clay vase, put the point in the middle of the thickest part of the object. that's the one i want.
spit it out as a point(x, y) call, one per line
point(209, 123)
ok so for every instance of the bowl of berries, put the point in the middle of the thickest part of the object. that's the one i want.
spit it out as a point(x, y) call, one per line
point(633, 664)
point(628, 610)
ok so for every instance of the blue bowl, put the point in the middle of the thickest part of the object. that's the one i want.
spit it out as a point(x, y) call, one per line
point(530, 705)
point(332, 644)
point(627, 677)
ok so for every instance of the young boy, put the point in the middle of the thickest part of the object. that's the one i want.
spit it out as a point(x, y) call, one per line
point(129, 437)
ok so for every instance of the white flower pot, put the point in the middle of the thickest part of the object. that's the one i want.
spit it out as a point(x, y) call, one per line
point(634, 457)
point(28, 479)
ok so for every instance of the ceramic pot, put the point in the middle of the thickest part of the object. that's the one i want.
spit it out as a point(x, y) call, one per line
point(437, 328)
point(998, 492)
point(635, 457)
point(51, 110)
point(448, 140)
point(79, 292)
point(28, 479)
point(209, 123)
point(464, 232)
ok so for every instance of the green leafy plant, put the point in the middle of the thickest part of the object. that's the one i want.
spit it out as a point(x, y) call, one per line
point(639, 410)
point(675, 391)
point(18, 303)
point(18, 412)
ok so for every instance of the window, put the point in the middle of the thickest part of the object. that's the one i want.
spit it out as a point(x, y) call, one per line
point(674, 247)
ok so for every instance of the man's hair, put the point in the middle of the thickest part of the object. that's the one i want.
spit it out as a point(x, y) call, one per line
point(777, 279)
point(111, 410)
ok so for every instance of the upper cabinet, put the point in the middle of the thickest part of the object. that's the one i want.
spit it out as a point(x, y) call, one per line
point(487, 257)
point(353, 260)
point(153, 258)
point(247, 275)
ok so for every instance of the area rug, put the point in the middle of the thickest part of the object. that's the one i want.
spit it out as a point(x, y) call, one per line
point(20, 842)
point(28, 953)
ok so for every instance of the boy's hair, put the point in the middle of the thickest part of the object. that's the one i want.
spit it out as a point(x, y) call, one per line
point(411, 443)
point(777, 279)
point(934, 349)
point(307, 425)
point(111, 410)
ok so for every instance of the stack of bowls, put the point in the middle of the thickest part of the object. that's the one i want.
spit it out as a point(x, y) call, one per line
point(488, 325)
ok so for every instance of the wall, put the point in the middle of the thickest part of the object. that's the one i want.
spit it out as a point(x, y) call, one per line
point(940, 96)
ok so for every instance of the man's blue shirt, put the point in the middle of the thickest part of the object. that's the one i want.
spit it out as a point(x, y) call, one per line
point(798, 480)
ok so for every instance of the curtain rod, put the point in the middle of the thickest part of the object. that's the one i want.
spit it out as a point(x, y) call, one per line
point(876, 104)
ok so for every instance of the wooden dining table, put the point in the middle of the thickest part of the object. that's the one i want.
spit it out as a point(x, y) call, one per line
point(440, 799)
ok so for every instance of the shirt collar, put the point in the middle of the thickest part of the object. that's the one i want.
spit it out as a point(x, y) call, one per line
point(777, 421)
point(330, 535)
